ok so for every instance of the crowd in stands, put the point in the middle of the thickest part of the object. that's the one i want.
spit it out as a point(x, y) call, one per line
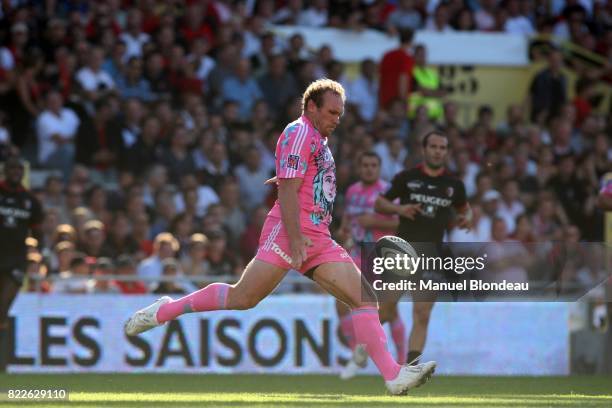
point(155, 124)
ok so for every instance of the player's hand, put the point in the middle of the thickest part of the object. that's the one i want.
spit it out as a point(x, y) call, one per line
point(409, 210)
point(273, 180)
point(299, 253)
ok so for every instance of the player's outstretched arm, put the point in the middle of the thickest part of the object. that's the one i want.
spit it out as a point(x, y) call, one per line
point(384, 206)
point(290, 213)
point(378, 221)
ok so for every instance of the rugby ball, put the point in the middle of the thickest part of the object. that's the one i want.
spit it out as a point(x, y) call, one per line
point(390, 246)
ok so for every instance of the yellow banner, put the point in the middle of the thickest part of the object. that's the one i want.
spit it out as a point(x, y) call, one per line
point(473, 86)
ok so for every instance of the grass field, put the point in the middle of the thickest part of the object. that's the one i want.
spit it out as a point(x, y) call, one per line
point(147, 390)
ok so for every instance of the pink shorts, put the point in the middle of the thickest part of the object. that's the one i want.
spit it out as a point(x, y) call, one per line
point(274, 247)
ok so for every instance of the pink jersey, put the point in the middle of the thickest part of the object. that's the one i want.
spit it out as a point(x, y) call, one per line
point(302, 152)
point(360, 200)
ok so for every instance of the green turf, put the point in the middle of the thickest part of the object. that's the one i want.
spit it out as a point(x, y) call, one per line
point(147, 390)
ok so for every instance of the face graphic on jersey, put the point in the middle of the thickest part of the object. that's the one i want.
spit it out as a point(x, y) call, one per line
point(324, 186)
point(329, 186)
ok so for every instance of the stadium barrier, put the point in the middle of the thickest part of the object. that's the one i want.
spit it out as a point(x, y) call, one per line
point(284, 334)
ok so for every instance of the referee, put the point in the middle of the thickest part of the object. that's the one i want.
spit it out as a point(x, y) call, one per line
point(20, 217)
point(428, 194)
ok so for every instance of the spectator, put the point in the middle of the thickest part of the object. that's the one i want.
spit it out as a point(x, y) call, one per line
point(93, 239)
point(114, 64)
point(61, 257)
point(133, 84)
point(165, 247)
point(56, 127)
point(103, 268)
point(241, 88)
point(133, 36)
point(194, 262)
point(314, 16)
point(464, 20)
point(127, 268)
point(53, 192)
point(546, 221)
point(181, 227)
point(405, 16)
point(485, 15)
point(251, 177)
point(277, 85)
point(141, 233)
point(200, 47)
point(119, 241)
point(234, 217)
point(467, 170)
point(97, 202)
point(146, 149)
point(396, 71)
point(440, 20)
point(426, 88)
point(156, 74)
point(510, 206)
point(548, 90)
point(480, 231)
point(170, 269)
point(523, 231)
point(131, 125)
point(569, 190)
point(97, 139)
point(26, 102)
point(585, 91)
point(363, 91)
point(288, 14)
point(490, 207)
point(517, 23)
point(177, 158)
point(221, 262)
point(205, 195)
point(157, 178)
point(506, 260)
point(75, 280)
point(36, 273)
point(392, 153)
point(216, 167)
point(93, 79)
point(524, 174)
point(165, 211)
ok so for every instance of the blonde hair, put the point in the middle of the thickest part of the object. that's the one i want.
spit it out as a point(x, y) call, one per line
point(317, 90)
point(165, 238)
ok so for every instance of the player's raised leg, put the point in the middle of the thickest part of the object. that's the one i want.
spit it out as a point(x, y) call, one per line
point(344, 281)
point(258, 280)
